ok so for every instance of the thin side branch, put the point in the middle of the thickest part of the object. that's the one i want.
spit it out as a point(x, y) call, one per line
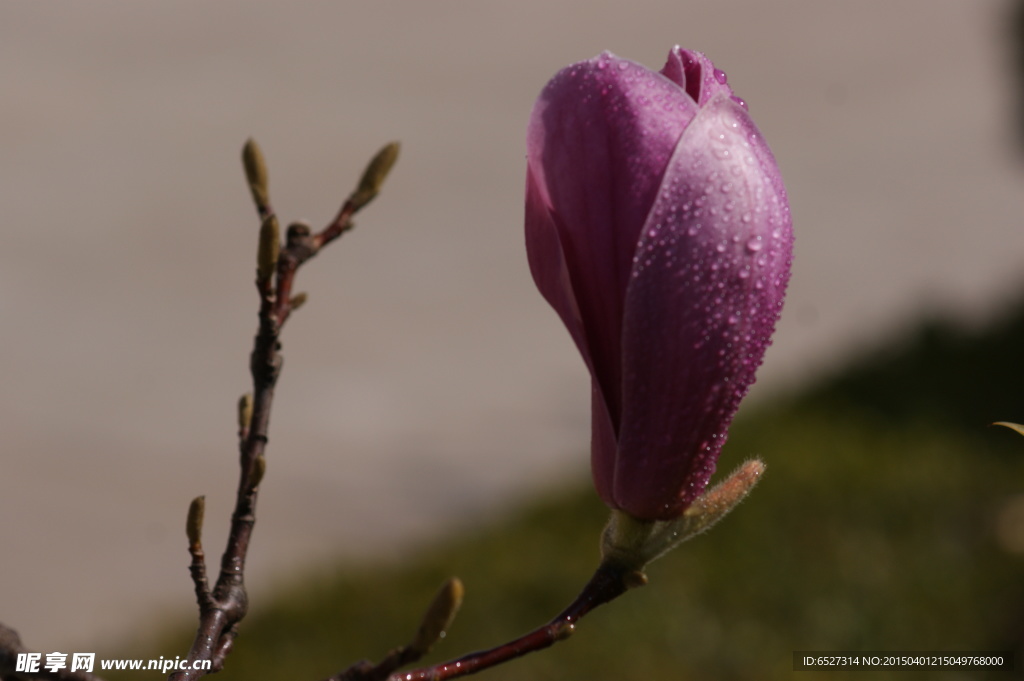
point(221, 609)
point(608, 582)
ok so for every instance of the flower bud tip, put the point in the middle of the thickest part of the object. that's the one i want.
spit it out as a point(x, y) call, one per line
point(439, 615)
point(374, 175)
point(194, 524)
point(256, 174)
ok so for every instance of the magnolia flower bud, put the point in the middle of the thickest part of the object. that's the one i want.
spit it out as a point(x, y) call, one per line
point(658, 228)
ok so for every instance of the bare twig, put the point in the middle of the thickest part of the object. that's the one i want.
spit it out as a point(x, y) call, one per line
point(608, 582)
point(221, 609)
point(436, 621)
point(223, 606)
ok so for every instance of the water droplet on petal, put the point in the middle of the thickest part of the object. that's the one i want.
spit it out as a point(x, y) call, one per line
point(720, 76)
point(754, 244)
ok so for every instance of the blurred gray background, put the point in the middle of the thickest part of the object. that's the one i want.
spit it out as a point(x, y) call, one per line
point(427, 385)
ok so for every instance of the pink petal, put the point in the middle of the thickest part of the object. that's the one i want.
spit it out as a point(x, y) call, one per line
point(706, 290)
point(598, 142)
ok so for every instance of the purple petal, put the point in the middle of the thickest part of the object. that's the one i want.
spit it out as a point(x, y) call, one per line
point(547, 262)
point(695, 74)
point(599, 139)
point(706, 290)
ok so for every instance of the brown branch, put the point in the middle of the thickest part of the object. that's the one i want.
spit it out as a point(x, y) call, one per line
point(608, 582)
point(221, 609)
point(436, 620)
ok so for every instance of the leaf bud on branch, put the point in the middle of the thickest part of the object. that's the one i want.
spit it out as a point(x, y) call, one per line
point(374, 176)
point(256, 175)
point(439, 616)
point(270, 248)
point(194, 524)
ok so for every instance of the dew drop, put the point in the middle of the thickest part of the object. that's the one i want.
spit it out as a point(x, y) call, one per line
point(720, 76)
point(754, 244)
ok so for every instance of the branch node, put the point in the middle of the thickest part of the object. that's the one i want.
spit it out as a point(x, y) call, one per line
point(562, 630)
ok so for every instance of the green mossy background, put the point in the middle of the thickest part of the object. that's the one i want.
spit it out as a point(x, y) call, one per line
point(874, 528)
